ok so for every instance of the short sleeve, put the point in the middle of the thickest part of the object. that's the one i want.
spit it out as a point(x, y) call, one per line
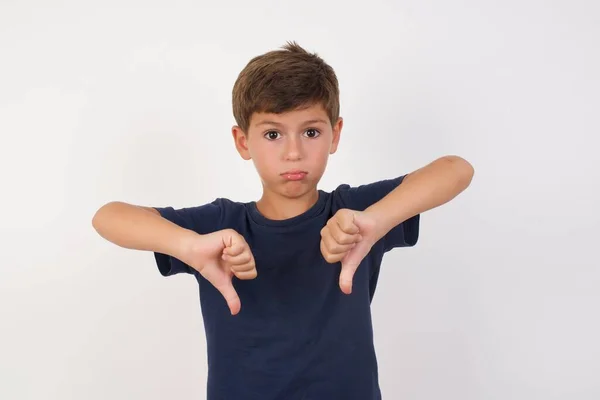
point(406, 234)
point(201, 219)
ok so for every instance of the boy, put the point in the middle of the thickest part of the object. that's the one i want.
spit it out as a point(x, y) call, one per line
point(286, 282)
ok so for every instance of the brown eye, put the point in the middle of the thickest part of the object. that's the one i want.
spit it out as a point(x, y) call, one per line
point(312, 133)
point(272, 135)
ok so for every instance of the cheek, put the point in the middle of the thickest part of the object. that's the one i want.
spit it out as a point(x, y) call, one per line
point(321, 152)
point(263, 159)
point(318, 158)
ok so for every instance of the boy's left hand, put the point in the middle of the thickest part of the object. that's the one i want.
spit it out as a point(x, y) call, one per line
point(348, 237)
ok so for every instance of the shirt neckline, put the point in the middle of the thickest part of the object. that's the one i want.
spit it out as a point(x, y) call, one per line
point(260, 219)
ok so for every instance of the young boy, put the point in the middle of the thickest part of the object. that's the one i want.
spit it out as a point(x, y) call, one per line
point(286, 282)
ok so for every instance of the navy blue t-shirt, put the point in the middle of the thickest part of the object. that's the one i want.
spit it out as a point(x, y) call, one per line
point(297, 336)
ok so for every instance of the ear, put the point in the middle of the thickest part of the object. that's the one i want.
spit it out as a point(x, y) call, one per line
point(337, 131)
point(241, 142)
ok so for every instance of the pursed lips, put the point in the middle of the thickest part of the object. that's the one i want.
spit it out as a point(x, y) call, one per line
point(294, 175)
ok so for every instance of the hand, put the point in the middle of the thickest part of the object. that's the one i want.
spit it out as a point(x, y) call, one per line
point(220, 255)
point(348, 237)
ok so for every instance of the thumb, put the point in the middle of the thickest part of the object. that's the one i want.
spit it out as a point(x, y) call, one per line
point(350, 264)
point(347, 276)
point(231, 296)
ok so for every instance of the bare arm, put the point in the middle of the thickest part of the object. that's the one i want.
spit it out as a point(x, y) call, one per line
point(429, 187)
point(141, 228)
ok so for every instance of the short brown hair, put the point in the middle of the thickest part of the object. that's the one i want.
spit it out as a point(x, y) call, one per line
point(283, 80)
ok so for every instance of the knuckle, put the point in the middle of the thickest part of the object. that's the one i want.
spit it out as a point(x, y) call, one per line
point(247, 266)
point(347, 226)
point(339, 237)
point(229, 232)
point(247, 274)
point(331, 244)
point(239, 266)
point(337, 248)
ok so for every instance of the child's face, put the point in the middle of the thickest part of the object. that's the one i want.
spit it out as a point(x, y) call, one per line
point(289, 150)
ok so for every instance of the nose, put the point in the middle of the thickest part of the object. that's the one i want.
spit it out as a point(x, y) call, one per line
point(293, 149)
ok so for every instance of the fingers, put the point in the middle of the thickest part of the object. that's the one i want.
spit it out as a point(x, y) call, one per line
point(345, 220)
point(242, 265)
point(235, 248)
point(331, 250)
point(242, 270)
point(338, 242)
point(339, 236)
point(239, 257)
point(342, 227)
point(244, 257)
point(341, 241)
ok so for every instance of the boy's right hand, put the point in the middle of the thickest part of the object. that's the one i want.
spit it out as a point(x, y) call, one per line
point(220, 255)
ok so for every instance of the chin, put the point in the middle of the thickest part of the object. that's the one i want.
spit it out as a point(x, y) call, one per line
point(297, 189)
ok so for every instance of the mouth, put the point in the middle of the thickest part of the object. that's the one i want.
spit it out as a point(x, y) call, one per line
point(294, 175)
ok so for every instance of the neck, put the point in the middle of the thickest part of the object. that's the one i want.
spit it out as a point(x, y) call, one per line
point(278, 207)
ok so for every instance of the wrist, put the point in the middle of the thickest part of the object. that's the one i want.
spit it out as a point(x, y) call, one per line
point(382, 224)
point(182, 244)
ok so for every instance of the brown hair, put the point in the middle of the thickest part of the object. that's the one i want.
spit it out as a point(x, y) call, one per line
point(284, 80)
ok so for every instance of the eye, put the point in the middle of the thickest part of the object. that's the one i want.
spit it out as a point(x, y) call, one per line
point(312, 133)
point(272, 135)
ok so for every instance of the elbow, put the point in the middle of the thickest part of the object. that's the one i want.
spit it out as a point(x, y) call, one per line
point(99, 216)
point(464, 170)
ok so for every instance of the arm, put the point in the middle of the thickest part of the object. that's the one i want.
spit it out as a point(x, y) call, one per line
point(424, 189)
point(217, 256)
point(141, 228)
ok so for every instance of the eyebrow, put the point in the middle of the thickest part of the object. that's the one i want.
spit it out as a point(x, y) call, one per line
point(310, 121)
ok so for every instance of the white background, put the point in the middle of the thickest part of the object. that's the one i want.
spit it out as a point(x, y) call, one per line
point(131, 100)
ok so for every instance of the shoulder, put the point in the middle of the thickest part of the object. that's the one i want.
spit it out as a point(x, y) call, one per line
point(359, 197)
point(230, 210)
point(204, 218)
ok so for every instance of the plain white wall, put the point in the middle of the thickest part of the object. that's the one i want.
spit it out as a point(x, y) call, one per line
point(130, 100)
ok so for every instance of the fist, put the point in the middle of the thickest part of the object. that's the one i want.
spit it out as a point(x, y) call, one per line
point(348, 237)
point(218, 257)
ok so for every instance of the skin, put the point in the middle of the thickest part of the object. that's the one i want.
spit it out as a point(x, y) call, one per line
point(295, 140)
point(301, 139)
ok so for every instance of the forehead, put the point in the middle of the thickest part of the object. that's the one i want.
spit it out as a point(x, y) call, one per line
point(313, 114)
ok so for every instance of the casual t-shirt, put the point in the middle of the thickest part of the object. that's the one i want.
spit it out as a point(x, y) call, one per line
point(297, 336)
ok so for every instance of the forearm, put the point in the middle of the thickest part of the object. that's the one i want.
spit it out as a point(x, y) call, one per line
point(424, 189)
point(133, 227)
